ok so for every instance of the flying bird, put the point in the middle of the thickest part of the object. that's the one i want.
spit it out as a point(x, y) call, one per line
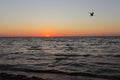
point(91, 13)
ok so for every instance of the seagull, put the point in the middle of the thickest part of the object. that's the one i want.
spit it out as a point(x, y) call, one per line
point(91, 13)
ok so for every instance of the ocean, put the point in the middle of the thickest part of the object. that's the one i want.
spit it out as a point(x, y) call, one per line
point(62, 58)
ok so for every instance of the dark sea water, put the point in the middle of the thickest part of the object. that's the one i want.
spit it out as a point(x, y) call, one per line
point(96, 57)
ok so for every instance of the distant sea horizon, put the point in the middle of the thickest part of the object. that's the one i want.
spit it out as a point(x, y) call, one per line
point(68, 36)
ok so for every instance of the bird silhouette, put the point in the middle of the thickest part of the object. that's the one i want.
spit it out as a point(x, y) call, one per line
point(91, 13)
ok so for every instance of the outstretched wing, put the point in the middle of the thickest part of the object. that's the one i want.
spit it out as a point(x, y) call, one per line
point(91, 13)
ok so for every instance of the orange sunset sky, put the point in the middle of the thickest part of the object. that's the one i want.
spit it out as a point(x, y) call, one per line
point(59, 17)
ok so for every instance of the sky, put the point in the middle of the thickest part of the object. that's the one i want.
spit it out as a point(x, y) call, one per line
point(59, 17)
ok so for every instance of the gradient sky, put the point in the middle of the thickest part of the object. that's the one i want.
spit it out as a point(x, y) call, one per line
point(59, 17)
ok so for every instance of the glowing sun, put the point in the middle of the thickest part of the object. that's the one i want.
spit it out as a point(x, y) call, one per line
point(47, 35)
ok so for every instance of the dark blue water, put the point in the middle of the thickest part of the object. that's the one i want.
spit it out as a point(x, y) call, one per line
point(74, 56)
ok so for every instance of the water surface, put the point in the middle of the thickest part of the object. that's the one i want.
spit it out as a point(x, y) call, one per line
point(74, 56)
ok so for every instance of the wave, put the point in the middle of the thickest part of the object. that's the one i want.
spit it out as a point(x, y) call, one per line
point(73, 55)
point(13, 68)
point(105, 63)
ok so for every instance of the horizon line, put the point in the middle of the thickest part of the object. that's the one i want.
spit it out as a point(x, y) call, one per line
point(68, 36)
